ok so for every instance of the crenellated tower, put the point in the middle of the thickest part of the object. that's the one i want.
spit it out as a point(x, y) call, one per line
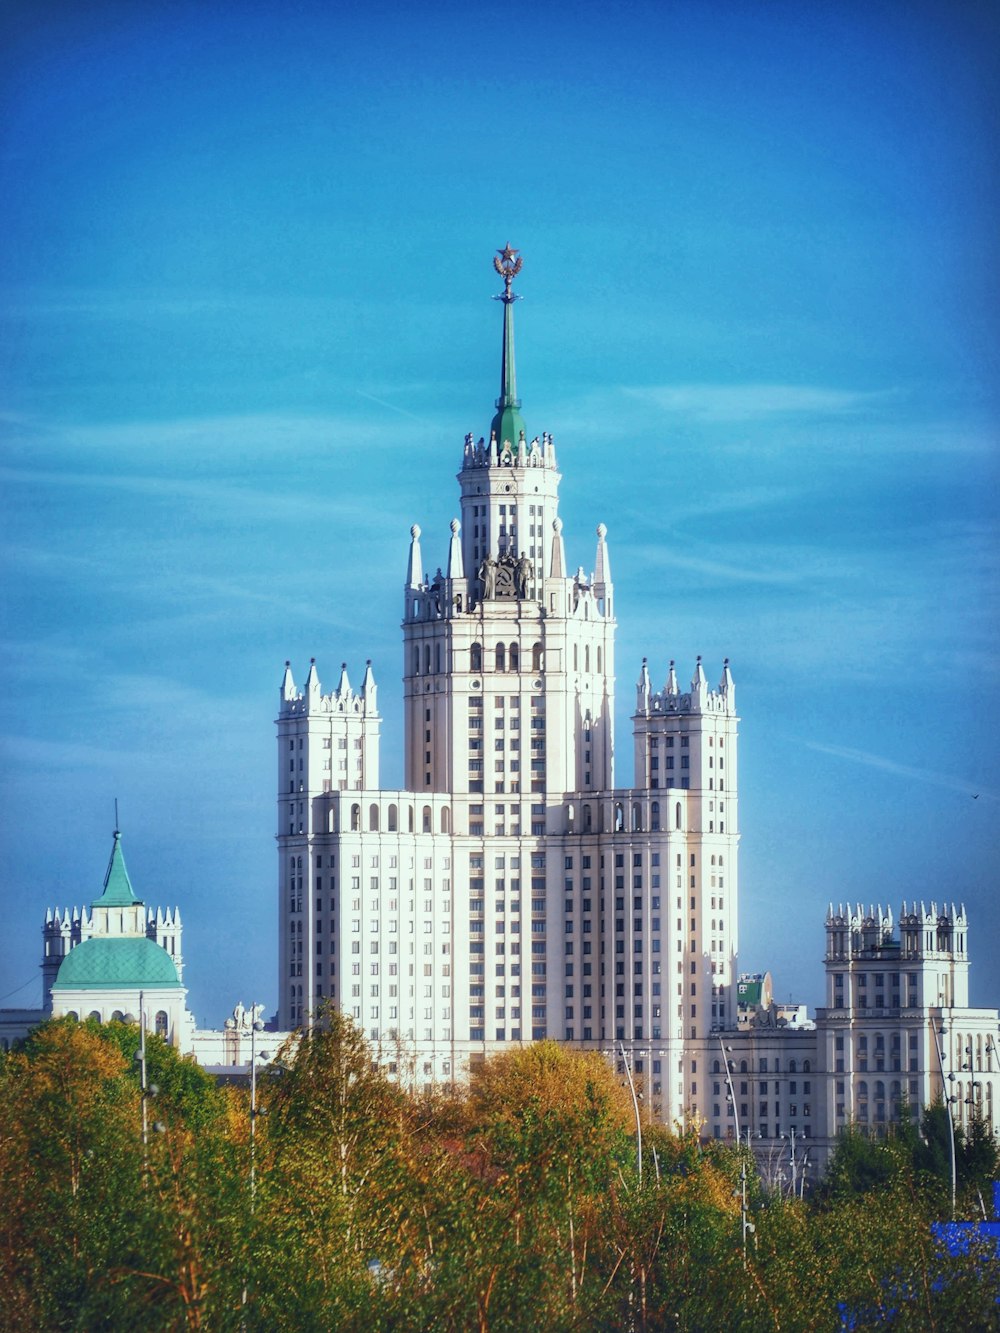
point(686, 746)
point(511, 892)
point(503, 632)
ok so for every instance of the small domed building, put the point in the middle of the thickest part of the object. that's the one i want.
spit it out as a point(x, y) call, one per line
point(119, 961)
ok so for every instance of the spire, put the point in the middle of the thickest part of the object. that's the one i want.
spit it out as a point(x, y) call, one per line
point(368, 683)
point(726, 687)
point(699, 686)
point(287, 683)
point(672, 679)
point(456, 567)
point(643, 688)
point(415, 568)
point(343, 685)
point(557, 569)
point(602, 566)
point(117, 887)
point(508, 424)
point(312, 680)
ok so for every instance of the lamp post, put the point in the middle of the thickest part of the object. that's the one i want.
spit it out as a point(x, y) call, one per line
point(948, 1099)
point(635, 1107)
point(142, 1072)
point(729, 1082)
point(745, 1224)
point(791, 1157)
point(256, 1026)
point(147, 1089)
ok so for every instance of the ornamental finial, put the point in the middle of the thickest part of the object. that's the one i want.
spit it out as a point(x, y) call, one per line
point(507, 263)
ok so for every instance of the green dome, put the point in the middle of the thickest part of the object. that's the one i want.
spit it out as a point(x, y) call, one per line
point(103, 964)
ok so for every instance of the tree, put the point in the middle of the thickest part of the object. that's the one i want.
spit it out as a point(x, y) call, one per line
point(69, 1173)
point(331, 1172)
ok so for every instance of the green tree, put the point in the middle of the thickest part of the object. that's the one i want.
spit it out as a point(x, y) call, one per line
point(70, 1174)
point(331, 1181)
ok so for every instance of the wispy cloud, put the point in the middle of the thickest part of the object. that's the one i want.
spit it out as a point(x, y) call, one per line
point(217, 440)
point(776, 569)
point(744, 402)
point(931, 776)
point(391, 406)
point(32, 752)
point(248, 500)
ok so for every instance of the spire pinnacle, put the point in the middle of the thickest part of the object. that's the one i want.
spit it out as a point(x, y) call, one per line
point(508, 424)
point(118, 891)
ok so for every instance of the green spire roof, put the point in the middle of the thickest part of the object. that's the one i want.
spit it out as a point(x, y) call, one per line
point(508, 424)
point(124, 963)
point(117, 887)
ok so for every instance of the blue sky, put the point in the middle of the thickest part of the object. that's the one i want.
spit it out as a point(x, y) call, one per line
point(245, 294)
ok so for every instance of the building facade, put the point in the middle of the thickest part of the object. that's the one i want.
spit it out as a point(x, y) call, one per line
point(896, 1035)
point(513, 891)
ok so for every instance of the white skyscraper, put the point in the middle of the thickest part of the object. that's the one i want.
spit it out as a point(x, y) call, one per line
point(512, 892)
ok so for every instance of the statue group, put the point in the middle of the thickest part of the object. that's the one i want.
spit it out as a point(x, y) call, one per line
point(506, 577)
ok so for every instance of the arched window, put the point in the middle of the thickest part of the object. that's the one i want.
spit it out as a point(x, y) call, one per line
point(476, 657)
point(393, 818)
point(537, 661)
point(743, 1066)
point(437, 657)
point(586, 658)
point(514, 657)
point(636, 817)
point(427, 819)
point(715, 1067)
point(74, 1015)
point(416, 660)
point(427, 659)
point(95, 1013)
point(501, 656)
point(118, 1016)
point(599, 667)
point(576, 657)
point(409, 819)
point(792, 1066)
point(162, 1024)
point(445, 819)
point(570, 817)
point(373, 818)
point(355, 818)
point(586, 819)
point(619, 817)
point(654, 812)
point(678, 822)
point(805, 1066)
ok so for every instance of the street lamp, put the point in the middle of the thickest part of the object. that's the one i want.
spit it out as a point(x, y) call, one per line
point(256, 1027)
point(147, 1089)
point(948, 1099)
point(635, 1106)
point(791, 1156)
point(726, 1050)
